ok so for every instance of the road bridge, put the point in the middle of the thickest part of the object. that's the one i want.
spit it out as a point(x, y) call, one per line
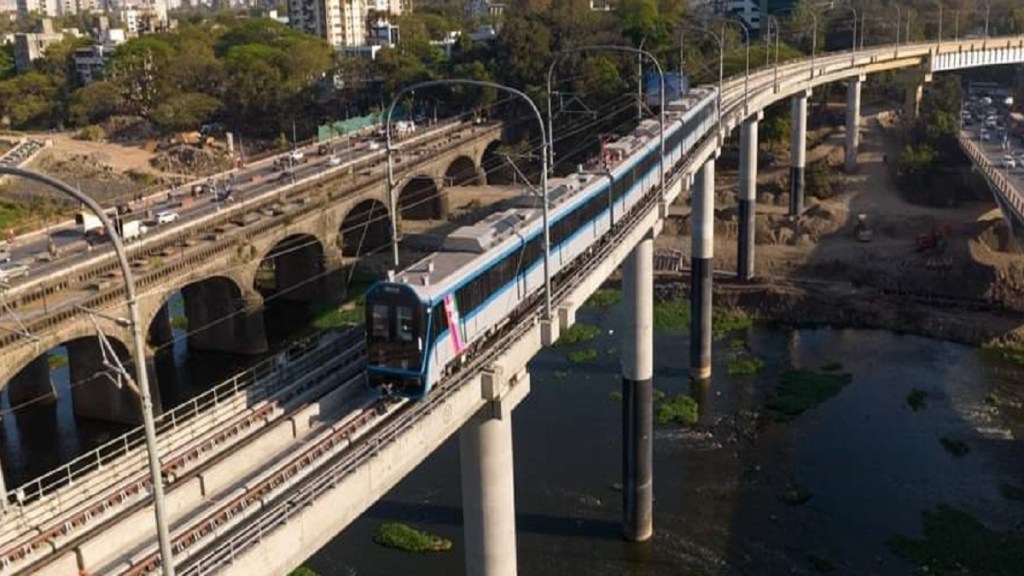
point(290, 509)
point(312, 227)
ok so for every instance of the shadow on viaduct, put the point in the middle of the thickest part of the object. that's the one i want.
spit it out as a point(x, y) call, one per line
point(299, 251)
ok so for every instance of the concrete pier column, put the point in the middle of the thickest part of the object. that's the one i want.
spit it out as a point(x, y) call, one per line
point(32, 384)
point(95, 392)
point(912, 106)
point(798, 153)
point(748, 197)
point(298, 275)
point(700, 271)
point(852, 122)
point(221, 320)
point(488, 496)
point(160, 333)
point(638, 393)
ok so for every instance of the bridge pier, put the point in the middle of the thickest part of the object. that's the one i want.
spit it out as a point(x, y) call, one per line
point(748, 197)
point(32, 384)
point(160, 332)
point(95, 393)
point(852, 122)
point(298, 276)
point(488, 494)
point(220, 321)
point(798, 153)
point(638, 393)
point(703, 240)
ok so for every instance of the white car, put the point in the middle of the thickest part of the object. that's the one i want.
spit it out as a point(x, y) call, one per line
point(1009, 162)
point(984, 136)
point(13, 271)
point(297, 156)
point(166, 217)
point(373, 145)
point(334, 161)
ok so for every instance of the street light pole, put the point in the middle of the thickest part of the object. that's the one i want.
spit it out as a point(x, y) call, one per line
point(138, 353)
point(612, 48)
point(544, 161)
point(746, 75)
point(721, 59)
point(988, 13)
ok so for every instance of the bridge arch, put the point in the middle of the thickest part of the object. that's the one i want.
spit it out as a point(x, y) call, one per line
point(495, 170)
point(462, 172)
point(365, 228)
point(420, 199)
point(292, 269)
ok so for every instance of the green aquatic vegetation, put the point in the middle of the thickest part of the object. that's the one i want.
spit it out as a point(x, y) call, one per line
point(744, 366)
point(1013, 353)
point(725, 321)
point(584, 355)
point(737, 344)
point(327, 317)
point(832, 367)
point(671, 315)
point(658, 395)
point(578, 333)
point(801, 390)
point(180, 323)
point(954, 446)
point(561, 375)
point(1012, 492)
point(604, 298)
point(409, 539)
point(303, 571)
point(955, 543)
point(57, 361)
point(615, 395)
point(680, 409)
point(916, 399)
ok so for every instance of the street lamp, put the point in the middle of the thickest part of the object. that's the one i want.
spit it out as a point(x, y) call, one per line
point(612, 48)
point(545, 138)
point(778, 32)
point(721, 59)
point(988, 13)
point(138, 352)
point(746, 36)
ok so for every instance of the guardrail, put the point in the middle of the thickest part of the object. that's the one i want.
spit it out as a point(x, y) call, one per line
point(257, 383)
point(62, 314)
point(1000, 184)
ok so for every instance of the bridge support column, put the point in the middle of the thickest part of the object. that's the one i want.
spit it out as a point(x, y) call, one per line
point(160, 332)
point(798, 153)
point(748, 197)
point(298, 276)
point(700, 271)
point(852, 122)
point(912, 105)
point(638, 393)
point(96, 394)
point(32, 384)
point(224, 322)
point(488, 495)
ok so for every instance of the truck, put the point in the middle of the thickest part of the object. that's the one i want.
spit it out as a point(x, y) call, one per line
point(88, 222)
point(130, 230)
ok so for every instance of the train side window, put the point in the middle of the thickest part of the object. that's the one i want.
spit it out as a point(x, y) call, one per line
point(404, 329)
point(379, 317)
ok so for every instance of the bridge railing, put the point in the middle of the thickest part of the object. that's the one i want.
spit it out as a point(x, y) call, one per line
point(258, 383)
point(997, 178)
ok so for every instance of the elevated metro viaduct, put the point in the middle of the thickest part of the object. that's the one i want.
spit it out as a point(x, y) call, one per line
point(310, 233)
point(480, 410)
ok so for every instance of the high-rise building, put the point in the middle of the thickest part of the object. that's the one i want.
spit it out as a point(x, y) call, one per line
point(43, 7)
point(341, 22)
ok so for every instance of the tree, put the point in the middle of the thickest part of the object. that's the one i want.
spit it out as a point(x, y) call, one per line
point(30, 100)
point(7, 69)
point(524, 49)
point(254, 83)
point(185, 111)
point(139, 68)
point(94, 102)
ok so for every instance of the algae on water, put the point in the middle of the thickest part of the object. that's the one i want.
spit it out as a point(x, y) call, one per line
point(801, 390)
point(955, 542)
point(409, 539)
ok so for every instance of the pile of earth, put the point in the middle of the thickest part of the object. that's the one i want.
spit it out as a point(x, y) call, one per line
point(188, 159)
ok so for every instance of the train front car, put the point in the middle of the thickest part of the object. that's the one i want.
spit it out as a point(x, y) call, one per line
point(396, 339)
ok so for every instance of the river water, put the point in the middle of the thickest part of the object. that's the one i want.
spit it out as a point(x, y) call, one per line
point(869, 464)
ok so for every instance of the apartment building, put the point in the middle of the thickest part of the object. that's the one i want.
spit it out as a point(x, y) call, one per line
point(341, 22)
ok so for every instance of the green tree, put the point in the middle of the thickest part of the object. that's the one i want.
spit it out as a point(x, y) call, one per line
point(30, 100)
point(523, 48)
point(185, 111)
point(139, 68)
point(94, 102)
point(7, 69)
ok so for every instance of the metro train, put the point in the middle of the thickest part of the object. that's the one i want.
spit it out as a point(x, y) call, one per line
point(426, 320)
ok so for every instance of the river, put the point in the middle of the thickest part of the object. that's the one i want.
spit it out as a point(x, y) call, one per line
point(867, 465)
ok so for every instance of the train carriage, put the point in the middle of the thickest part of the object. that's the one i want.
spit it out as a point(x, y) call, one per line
point(427, 319)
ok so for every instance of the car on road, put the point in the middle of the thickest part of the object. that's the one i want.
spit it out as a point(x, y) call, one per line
point(9, 271)
point(5, 252)
point(985, 137)
point(166, 216)
point(373, 145)
point(297, 156)
point(334, 161)
point(1008, 162)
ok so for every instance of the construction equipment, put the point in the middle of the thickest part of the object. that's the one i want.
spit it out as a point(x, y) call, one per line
point(861, 230)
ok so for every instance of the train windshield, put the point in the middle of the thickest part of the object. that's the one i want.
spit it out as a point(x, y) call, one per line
point(395, 326)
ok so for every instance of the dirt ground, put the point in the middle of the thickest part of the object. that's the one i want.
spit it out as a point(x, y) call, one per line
point(976, 265)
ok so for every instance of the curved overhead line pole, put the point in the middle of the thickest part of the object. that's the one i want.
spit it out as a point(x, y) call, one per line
point(561, 54)
point(746, 37)
point(543, 172)
point(778, 33)
point(721, 59)
point(139, 357)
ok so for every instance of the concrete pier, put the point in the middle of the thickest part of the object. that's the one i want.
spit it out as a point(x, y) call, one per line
point(748, 197)
point(638, 393)
point(96, 393)
point(912, 106)
point(32, 385)
point(700, 271)
point(221, 320)
point(798, 153)
point(852, 122)
point(160, 332)
point(488, 495)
